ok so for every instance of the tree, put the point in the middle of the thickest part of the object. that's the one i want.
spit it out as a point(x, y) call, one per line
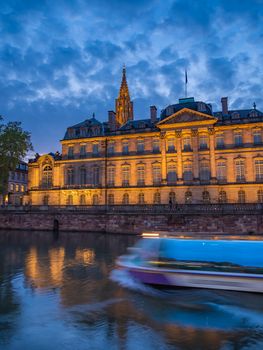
point(14, 145)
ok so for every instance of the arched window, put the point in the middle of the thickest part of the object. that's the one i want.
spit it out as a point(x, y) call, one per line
point(82, 199)
point(95, 199)
point(70, 176)
point(70, 199)
point(47, 176)
point(83, 176)
point(241, 196)
point(172, 197)
point(141, 198)
point(171, 173)
point(188, 197)
point(45, 200)
point(259, 169)
point(222, 197)
point(260, 196)
point(157, 198)
point(111, 199)
point(125, 198)
point(206, 197)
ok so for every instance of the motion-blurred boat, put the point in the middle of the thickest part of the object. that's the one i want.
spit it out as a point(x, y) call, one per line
point(161, 260)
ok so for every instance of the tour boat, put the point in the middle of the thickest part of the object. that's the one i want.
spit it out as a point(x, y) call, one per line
point(197, 263)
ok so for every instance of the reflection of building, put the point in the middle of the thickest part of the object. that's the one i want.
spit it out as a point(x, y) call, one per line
point(188, 155)
point(17, 184)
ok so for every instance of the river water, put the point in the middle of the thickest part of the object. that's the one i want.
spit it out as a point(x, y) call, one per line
point(64, 293)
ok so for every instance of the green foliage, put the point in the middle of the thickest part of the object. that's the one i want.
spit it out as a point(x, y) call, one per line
point(14, 145)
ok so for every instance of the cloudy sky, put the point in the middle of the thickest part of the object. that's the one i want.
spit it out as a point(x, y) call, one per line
point(60, 61)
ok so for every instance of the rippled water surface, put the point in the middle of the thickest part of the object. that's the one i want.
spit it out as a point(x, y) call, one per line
point(64, 293)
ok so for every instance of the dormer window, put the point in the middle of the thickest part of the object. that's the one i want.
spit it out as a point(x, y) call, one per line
point(253, 113)
point(141, 125)
point(235, 115)
point(71, 132)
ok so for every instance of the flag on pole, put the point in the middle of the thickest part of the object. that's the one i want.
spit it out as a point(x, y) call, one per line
point(186, 80)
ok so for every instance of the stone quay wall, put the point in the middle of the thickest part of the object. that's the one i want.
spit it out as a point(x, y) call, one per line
point(189, 219)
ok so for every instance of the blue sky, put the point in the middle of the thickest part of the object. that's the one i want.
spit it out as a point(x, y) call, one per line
point(60, 61)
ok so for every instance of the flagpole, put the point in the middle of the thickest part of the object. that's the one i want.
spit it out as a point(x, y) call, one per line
point(186, 81)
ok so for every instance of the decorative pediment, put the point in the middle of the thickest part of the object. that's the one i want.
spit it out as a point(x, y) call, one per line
point(188, 117)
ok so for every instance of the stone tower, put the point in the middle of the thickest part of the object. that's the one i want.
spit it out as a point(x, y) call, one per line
point(124, 106)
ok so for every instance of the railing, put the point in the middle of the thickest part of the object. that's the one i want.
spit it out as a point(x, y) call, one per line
point(188, 209)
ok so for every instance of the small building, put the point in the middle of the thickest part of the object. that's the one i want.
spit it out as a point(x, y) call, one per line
point(17, 184)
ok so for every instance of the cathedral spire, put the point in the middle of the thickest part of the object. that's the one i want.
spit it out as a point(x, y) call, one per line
point(124, 106)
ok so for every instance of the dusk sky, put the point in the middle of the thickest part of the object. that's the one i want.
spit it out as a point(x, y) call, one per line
point(62, 60)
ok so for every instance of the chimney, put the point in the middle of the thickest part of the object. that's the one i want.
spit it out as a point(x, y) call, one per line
point(153, 114)
point(112, 120)
point(224, 105)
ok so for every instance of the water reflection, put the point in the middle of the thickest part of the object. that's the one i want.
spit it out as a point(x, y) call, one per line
point(66, 292)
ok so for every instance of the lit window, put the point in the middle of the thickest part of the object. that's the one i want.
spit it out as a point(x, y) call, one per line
point(259, 169)
point(240, 170)
point(125, 175)
point(241, 196)
point(157, 198)
point(156, 171)
point(140, 175)
point(171, 143)
point(22, 188)
point(188, 197)
point(203, 142)
point(12, 187)
point(222, 197)
point(221, 171)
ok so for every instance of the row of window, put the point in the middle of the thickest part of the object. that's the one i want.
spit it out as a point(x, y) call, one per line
point(222, 198)
point(186, 144)
point(19, 176)
point(17, 188)
point(84, 177)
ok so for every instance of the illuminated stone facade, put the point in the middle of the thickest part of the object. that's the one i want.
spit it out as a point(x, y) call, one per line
point(187, 155)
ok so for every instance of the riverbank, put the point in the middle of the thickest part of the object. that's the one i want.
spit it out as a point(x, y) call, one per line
point(230, 219)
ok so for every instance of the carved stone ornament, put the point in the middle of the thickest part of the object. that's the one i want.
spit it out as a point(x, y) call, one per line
point(178, 133)
point(211, 131)
point(194, 132)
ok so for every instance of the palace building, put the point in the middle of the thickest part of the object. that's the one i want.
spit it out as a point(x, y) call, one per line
point(189, 154)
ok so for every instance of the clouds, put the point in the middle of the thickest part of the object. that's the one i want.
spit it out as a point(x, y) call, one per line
point(62, 61)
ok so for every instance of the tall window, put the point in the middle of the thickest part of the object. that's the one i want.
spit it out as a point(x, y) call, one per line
point(95, 175)
point(188, 171)
point(257, 138)
point(140, 175)
point(45, 200)
point(238, 138)
point(156, 170)
point(82, 151)
point(171, 144)
point(157, 198)
point(204, 171)
point(125, 198)
point(70, 199)
point(70, 176)
point(241, 196)
point(95, 199)
point(83, 176)
point(259, 169)
point(47, 176)
point(203, 141)
point(95, 149)
point(240, 170)
point(126, 175)
point(111, 199)
point(82, 199)
point(70, 152)
point(125, 147)
point(220, 143)
point(188, 197)
point(221, 171)
point(111, 176)
point(141, 198)
point(187, 143)
point(140, 146)
point(260, 196)
point(222, 197)
point(156, 146)
point(172, 197)
point(111, 148)
point(171, 173)
point(206, 196)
